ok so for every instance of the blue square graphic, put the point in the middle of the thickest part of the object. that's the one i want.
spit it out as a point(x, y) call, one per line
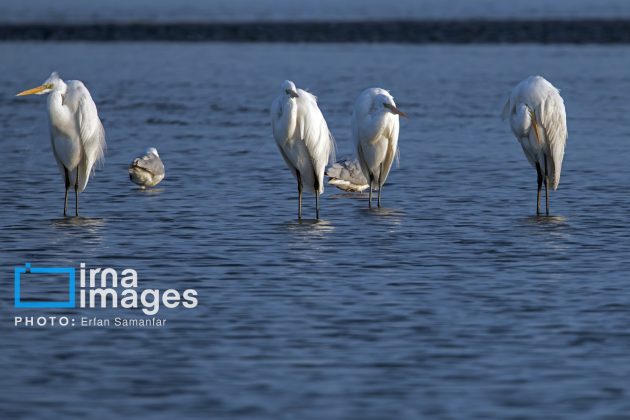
point(70, 303)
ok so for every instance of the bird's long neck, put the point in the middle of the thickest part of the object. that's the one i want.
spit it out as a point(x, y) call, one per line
point(521, 121)
point(290, 116)
point(377, 122)
point(58, 113)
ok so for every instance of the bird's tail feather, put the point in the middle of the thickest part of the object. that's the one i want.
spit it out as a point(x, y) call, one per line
point(333, 150)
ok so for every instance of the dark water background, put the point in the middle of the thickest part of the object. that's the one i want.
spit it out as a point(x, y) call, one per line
point(452, 301)
point(63, 11)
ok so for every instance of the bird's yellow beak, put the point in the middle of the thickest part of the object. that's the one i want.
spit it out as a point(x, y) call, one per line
point(34, 90)
point(395, 110)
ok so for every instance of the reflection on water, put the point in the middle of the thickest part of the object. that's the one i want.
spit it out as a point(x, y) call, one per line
point(150, 191)
point(449, 301)
point(546, 220)
point(89, 223)
point(310, 226)
point(80, 230)
point(384, 212)
point(334, 195)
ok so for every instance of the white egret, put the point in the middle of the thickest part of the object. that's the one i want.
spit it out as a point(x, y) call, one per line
point(375, 127)
point(147, 170)
point(538, 120)
point(346, 175)
point(77, 136)
point(303, 138)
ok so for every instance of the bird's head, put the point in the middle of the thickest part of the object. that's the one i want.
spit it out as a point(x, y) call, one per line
point(46, 87)
point(152, 150)
point(289, 89)
point(387, 102)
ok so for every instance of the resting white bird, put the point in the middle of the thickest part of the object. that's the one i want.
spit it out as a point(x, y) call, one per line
point(346, 175)
point(375, 127)
point(538, 120)
point(303, 138)
point(76, 133)
point(147, 170)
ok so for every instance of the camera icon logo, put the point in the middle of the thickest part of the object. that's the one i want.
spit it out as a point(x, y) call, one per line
point(18, 279)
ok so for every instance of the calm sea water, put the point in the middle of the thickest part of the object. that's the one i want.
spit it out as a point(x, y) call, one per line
point(451, 301)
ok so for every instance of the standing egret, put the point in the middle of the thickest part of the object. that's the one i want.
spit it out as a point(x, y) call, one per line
point(375, 126)
point(539, 122)
point(303, 139)
point(77, 136)
point(147, 170)
point(346, 175)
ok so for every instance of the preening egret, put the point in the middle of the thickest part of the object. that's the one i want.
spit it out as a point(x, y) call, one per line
point(539, 122)
point(76, 133)
point(303, 138)
point(147, 170)
point(375, 126)
point(346, 175)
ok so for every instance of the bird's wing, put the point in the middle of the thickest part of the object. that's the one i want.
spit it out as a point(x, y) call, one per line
point(314, 130)
point(355, 173)
point(150, 163)
point(91, 131)
point(365, 169)
point(551, 115)
point(335, 170)
point(279, 134)
point(392, 149)
point(349, 170)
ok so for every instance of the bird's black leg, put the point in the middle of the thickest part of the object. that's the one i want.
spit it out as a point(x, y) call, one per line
point(76, 195)
point(380, 185)
point(299, 182)
point(540, 180)
point(546, 188)
point(370, 198)
point(316, 196)
point(67, 184)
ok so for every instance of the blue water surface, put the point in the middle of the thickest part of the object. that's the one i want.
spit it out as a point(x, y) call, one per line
point(452, 301)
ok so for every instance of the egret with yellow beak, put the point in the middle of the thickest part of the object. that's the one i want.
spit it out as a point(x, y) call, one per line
point(77, 136)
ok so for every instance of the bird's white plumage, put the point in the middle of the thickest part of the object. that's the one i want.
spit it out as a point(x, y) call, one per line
point(537, 95)
point(302, 135)
point(347, 175)
point(147, 170)
point(77, 134)
point(375, 133)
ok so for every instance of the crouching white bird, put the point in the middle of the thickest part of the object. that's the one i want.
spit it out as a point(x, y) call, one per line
point(346, 175)
point(303, 138)
point(538, 120)
point(77, 136)
point(147, 170)
point(375, 127)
